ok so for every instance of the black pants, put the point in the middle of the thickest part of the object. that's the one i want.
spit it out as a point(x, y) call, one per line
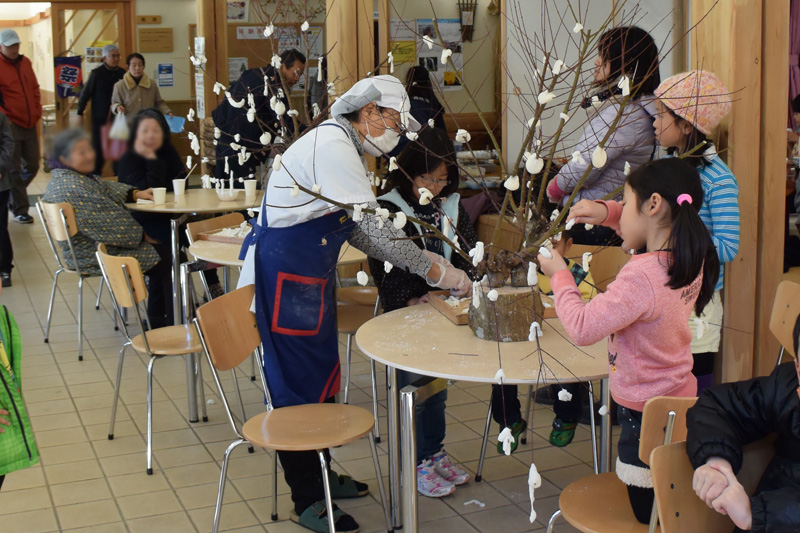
point(159, 288)
point(303, 474)
point(572, 410)
point(641, 499)
point(506, 409)
point(6, 251)
point(2, 478)
point(97, 144)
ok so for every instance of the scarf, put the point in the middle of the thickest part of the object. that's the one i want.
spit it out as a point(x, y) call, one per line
point(352, 133)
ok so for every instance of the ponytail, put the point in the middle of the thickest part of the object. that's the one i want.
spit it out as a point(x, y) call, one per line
point(693, 252)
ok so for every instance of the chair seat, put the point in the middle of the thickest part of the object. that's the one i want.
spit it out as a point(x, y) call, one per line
point(308, 427)
point(599, 504)
point(169, 340)
point(350, 317)
point(357, 295)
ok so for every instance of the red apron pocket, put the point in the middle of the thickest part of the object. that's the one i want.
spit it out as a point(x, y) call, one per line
point(299, 305)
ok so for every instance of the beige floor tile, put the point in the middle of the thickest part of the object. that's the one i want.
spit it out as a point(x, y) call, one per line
point(512, 518)
point(54, 407)
point(148, 504)
point(117, 527)
point(453, 524)
point(80, 451)
point(102, 415)
point(168, 523)
point(497, 467)
point(200, 496)
point(123, 464)
point(41, 521)
point(184, 455)
point(28, 478)
point(88, 514)
point(234, 515)
point(80, 492)
point(59, 421)
point(256, 464)
point(124, 428)
point(46, 394)
point(76, 471)
point(137, 483)
point(20, 501)
point(120, 446)
point(186, 476)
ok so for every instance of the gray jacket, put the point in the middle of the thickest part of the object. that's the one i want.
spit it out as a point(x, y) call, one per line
point(6, 153)
point(632, 141)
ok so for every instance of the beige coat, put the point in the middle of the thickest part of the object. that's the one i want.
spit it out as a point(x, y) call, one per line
point(135, 97)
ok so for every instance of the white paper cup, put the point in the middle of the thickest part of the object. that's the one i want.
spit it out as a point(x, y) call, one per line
point(159, 195)
point(179, 186)
point(250, 187)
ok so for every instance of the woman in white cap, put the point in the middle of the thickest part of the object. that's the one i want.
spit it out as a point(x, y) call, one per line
point(291, 258)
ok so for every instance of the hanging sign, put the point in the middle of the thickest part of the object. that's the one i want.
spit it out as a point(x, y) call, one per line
point(69, 77)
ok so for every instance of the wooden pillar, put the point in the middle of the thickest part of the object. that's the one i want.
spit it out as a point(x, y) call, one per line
point(349, 40)
point(746, 44)
point(212, 24)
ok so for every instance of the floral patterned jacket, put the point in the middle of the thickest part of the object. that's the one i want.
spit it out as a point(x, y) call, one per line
point(102, 218)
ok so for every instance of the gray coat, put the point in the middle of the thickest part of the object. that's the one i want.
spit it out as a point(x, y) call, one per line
point(6, 153)
point(632, 141)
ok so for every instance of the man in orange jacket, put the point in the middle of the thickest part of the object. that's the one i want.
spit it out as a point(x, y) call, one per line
point(21, 102)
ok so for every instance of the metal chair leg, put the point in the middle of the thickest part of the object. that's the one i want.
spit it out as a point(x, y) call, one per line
point(327, 486)
point(595, 457)
point(376, 431)
point(200, 386)
point(252, 367)
point(52, 300)
point(150, 416)
point(274, 485)
point(552, 522)
point(524, 438)
point(347, 360)
point(99, 294)
point(80, 319)
point(116, 390)
point(484, 443)
point(778, 362)
point(250, 448)
point(379, 477)
point(222, 478)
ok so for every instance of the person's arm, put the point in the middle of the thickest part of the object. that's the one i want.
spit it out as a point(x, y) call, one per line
point(87, 92)
point(775, 510)
point(627, 299)
point(37, 95)
point(117, 103)
point(7, 146)
point(724, 208)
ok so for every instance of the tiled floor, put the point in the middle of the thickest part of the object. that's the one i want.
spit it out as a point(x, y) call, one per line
point(86, 482)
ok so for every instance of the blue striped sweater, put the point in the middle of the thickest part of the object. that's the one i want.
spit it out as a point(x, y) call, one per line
point(720, 210)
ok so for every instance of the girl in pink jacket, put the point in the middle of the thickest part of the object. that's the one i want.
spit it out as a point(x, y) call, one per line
point(645, 311)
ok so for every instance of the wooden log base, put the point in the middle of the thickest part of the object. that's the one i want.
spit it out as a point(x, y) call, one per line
point(509, 318)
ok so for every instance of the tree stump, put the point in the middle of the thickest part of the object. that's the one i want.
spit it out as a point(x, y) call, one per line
point(509, 318)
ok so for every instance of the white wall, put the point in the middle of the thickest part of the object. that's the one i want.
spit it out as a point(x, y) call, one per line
point(22, 10)
point(528, 24)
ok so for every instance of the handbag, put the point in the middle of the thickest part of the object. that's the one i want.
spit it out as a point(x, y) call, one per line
point(110, 132)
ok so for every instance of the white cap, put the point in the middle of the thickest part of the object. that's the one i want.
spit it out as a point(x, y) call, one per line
point(9, 37)
point(385, 91)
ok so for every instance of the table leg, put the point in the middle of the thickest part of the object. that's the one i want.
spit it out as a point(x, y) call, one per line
point(191, 376)
point(175, 241)
point(393, 408)
point(605, 428)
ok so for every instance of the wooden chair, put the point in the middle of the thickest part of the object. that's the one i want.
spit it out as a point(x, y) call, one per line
point(126, 283)
point(600, 503)
point(59, 225)
point(229, 333)
point(785, 310)
point(679, 508)
point(194, 229)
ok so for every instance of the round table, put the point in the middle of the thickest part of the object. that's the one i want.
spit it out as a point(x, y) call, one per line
point(421, 340)
point(192, 202)
point(227, 254)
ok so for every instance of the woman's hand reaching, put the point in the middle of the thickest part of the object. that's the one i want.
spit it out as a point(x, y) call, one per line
point(146, 194)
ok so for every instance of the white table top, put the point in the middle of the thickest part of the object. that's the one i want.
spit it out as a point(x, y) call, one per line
point(200, 201)
point(420, 339)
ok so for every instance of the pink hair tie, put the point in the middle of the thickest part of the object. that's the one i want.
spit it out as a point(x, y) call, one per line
point(684, 198)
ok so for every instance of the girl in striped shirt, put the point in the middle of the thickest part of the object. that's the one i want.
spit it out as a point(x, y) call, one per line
point(690, 105)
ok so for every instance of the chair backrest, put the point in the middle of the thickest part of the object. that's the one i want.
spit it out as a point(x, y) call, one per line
point(606, 262)
point(679, 508)
point(228, 328)
point(193, 229)
point(55, 224)
point(785, 310)
point(111, 265)
point(654, 422)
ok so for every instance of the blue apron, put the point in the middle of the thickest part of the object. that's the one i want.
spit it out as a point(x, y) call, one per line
point(296, 306)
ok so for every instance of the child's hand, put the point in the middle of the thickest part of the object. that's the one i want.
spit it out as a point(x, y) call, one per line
point(3, 421)
point(551, 266)
point(588, 212)
point(709, 480)
point(735, 503)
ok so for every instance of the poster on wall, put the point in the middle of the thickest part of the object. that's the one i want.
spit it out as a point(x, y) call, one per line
point(403, 40)
point(236, 67)
point(443, 75)
point(199, 91)
point(92, 58)
point(238, 11)
point(68, 75)
point(165, 75)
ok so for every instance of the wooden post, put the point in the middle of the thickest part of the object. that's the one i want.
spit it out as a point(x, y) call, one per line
point(746, 44)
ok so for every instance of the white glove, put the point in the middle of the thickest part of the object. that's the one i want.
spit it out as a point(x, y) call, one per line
point(454, 279)
point(436, 258)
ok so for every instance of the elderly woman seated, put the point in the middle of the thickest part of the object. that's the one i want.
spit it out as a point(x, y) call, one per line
point(102, 218)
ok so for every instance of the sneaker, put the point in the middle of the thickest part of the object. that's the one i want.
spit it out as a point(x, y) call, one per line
point(315, 518)
point(5, 278)
point(563, 432)
point(430, 483)
point(517, 429)
point(452, 473)
point(24, 219)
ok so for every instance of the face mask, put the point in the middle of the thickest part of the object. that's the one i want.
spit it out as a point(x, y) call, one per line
point(383, 144)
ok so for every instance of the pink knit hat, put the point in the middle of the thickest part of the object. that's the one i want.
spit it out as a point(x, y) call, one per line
point(697, 96)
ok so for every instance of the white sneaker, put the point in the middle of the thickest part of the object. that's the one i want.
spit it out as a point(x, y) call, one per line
point(430, 483)
point(450, 472)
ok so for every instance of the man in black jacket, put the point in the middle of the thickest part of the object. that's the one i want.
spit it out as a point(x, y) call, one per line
point(99, 89)
point(233, 121)
point(728, 417)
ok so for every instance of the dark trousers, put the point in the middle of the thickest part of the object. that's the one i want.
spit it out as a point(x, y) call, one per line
point(641, 499)
point(506, 409)
point(6, 251)
point(703, 370)
point(24, 166)
point(430, 420)
point(159, 289)
point(97, 144)
point(572, 410)
point(2, 478)
point(303, 474)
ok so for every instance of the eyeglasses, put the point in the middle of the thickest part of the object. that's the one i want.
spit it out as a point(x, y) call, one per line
point(429, 181)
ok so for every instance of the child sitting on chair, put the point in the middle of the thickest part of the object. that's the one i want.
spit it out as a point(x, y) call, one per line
point(728, 417)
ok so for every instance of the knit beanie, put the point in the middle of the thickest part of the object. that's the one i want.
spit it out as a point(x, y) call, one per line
point(697, 96)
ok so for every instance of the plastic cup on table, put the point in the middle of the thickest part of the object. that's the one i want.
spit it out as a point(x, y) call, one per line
point(179, 186)
point(250, 187)
point(159, 195)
